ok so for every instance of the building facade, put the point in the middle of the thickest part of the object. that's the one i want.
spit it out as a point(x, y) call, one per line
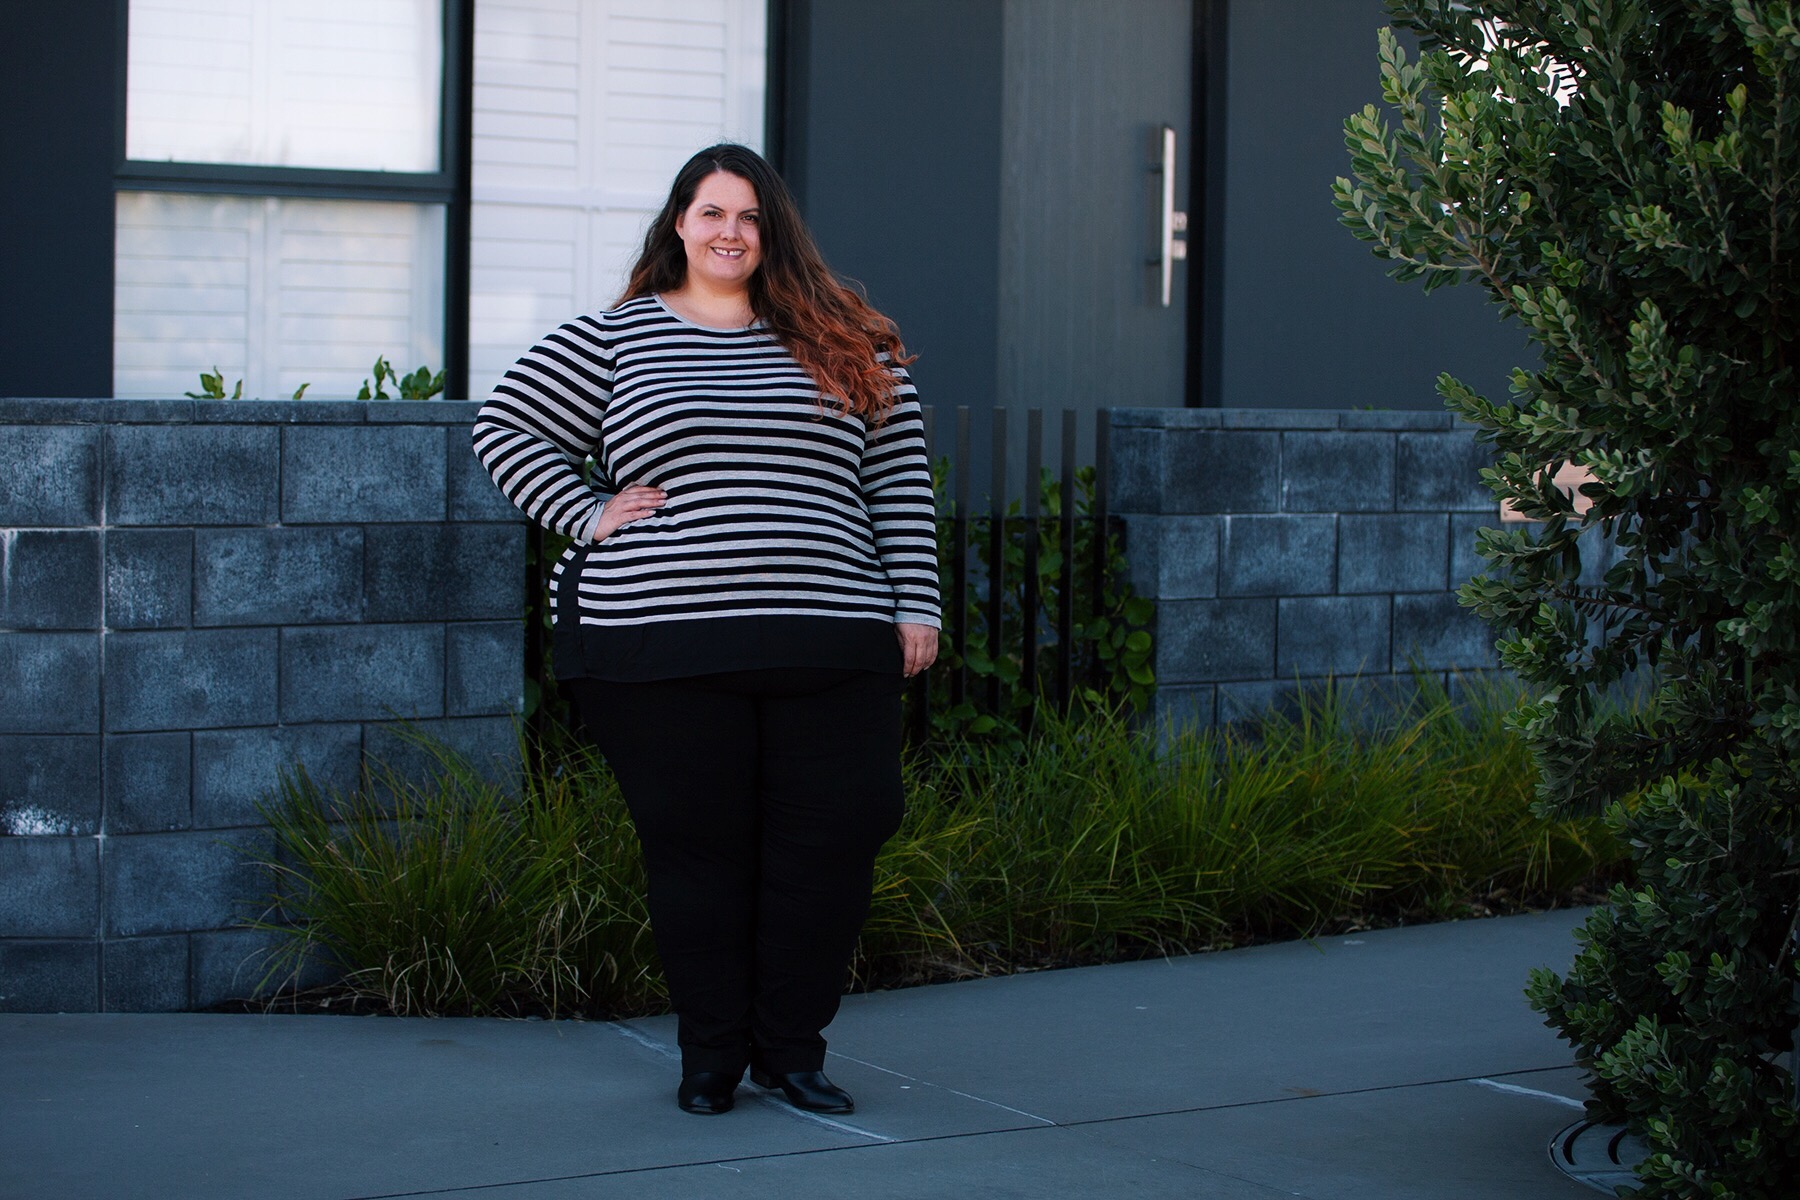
point(286, 190)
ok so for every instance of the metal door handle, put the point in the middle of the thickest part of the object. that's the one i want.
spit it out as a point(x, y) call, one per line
point(1174, 220)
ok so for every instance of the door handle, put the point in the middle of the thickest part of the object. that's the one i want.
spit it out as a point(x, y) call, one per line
point(1174, 221)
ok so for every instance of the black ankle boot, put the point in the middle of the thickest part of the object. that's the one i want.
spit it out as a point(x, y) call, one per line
point(809, 1090)
point(707, 1093)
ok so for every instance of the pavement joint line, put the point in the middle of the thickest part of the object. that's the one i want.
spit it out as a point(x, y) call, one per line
point(1527, 1071)
point(1514, 1089)
point(668, 1051)
point(675, 1166)
point(1365, 1091)
point(644, 1040)
point(942, 1088)
point(787, 1109)
point(803, 1153)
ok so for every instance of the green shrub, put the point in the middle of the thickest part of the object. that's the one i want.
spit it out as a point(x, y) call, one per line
point(1625, 180)
point(1093, 845)
point(1110, 643)
point(445, 896)
point(212, 387)
point(420, 385)
point(1096, 844)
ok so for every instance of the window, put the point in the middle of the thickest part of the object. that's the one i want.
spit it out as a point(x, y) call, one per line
point(287, 195)
point(275, 291)
point(353, 84)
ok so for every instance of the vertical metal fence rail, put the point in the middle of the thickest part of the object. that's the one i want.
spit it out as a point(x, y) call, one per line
point(984, 599)
point(1065, 594)
point(537, 723)
point(1102, 529)
point(1028, 609)
point(956, 603)
point(996, 623)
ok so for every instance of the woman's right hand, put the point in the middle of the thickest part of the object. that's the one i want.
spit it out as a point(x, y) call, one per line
point(630, 504)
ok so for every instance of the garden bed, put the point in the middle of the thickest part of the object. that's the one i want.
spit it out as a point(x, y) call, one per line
point(1095, 845)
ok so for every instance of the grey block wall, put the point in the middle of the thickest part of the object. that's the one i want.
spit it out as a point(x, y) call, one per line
point(1284, 547)
point(194, 597)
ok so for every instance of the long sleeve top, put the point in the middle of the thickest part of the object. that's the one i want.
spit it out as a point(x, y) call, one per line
point(793, 535)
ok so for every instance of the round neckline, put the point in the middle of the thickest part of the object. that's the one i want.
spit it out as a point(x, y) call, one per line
point(755, 323)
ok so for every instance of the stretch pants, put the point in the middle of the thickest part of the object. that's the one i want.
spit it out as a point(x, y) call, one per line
point(760, 798)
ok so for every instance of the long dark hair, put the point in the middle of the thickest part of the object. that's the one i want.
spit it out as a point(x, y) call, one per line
point(827, 325)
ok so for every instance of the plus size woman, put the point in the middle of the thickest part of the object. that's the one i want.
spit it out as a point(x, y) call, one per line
point(754, 574)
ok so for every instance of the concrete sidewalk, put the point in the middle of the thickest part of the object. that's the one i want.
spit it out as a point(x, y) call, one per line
point(1387, 1065)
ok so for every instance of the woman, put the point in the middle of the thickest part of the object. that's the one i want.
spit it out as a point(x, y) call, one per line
point(754, 573)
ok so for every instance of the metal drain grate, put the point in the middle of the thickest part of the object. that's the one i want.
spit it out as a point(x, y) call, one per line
point(1600, 1156)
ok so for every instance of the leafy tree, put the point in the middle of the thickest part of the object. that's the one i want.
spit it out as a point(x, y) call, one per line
point(1624, 177)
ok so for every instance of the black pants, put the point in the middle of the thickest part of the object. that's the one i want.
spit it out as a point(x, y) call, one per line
point(760, 799)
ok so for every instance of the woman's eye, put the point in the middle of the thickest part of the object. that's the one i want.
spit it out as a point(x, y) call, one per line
point(751, 218)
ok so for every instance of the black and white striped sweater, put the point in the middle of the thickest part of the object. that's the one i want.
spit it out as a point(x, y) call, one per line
point(792, 536)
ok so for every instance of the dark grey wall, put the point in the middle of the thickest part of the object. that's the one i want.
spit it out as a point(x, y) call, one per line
point(195, 596)
point(1285, 548)
point(1307, 314)
point(58, 145)
point(891, 140)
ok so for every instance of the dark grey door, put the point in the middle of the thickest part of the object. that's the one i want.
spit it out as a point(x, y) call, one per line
point(1088, 85)
point(984, 168)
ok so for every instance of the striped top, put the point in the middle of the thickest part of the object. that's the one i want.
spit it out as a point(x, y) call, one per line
point(793, 535)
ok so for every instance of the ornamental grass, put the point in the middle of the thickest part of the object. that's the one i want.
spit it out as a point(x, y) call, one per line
point(1103, 841)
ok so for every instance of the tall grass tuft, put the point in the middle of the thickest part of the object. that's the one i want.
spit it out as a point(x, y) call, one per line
point(446, 896)
point(1101, 842)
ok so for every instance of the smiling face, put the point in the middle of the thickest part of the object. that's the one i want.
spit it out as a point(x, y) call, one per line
point(721, 232)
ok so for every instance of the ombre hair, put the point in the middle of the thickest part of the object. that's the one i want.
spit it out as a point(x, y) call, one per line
point(827, 325)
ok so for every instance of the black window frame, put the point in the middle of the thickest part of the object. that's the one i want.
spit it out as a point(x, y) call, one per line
point(449, 185)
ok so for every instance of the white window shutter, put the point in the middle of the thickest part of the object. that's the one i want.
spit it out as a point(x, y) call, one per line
point(584, 111)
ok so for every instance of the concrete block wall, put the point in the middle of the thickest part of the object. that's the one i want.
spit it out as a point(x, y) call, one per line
point(195, 596)
point(1286, 546)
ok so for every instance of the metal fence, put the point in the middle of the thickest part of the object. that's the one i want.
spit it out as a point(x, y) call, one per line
point(977, 585)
